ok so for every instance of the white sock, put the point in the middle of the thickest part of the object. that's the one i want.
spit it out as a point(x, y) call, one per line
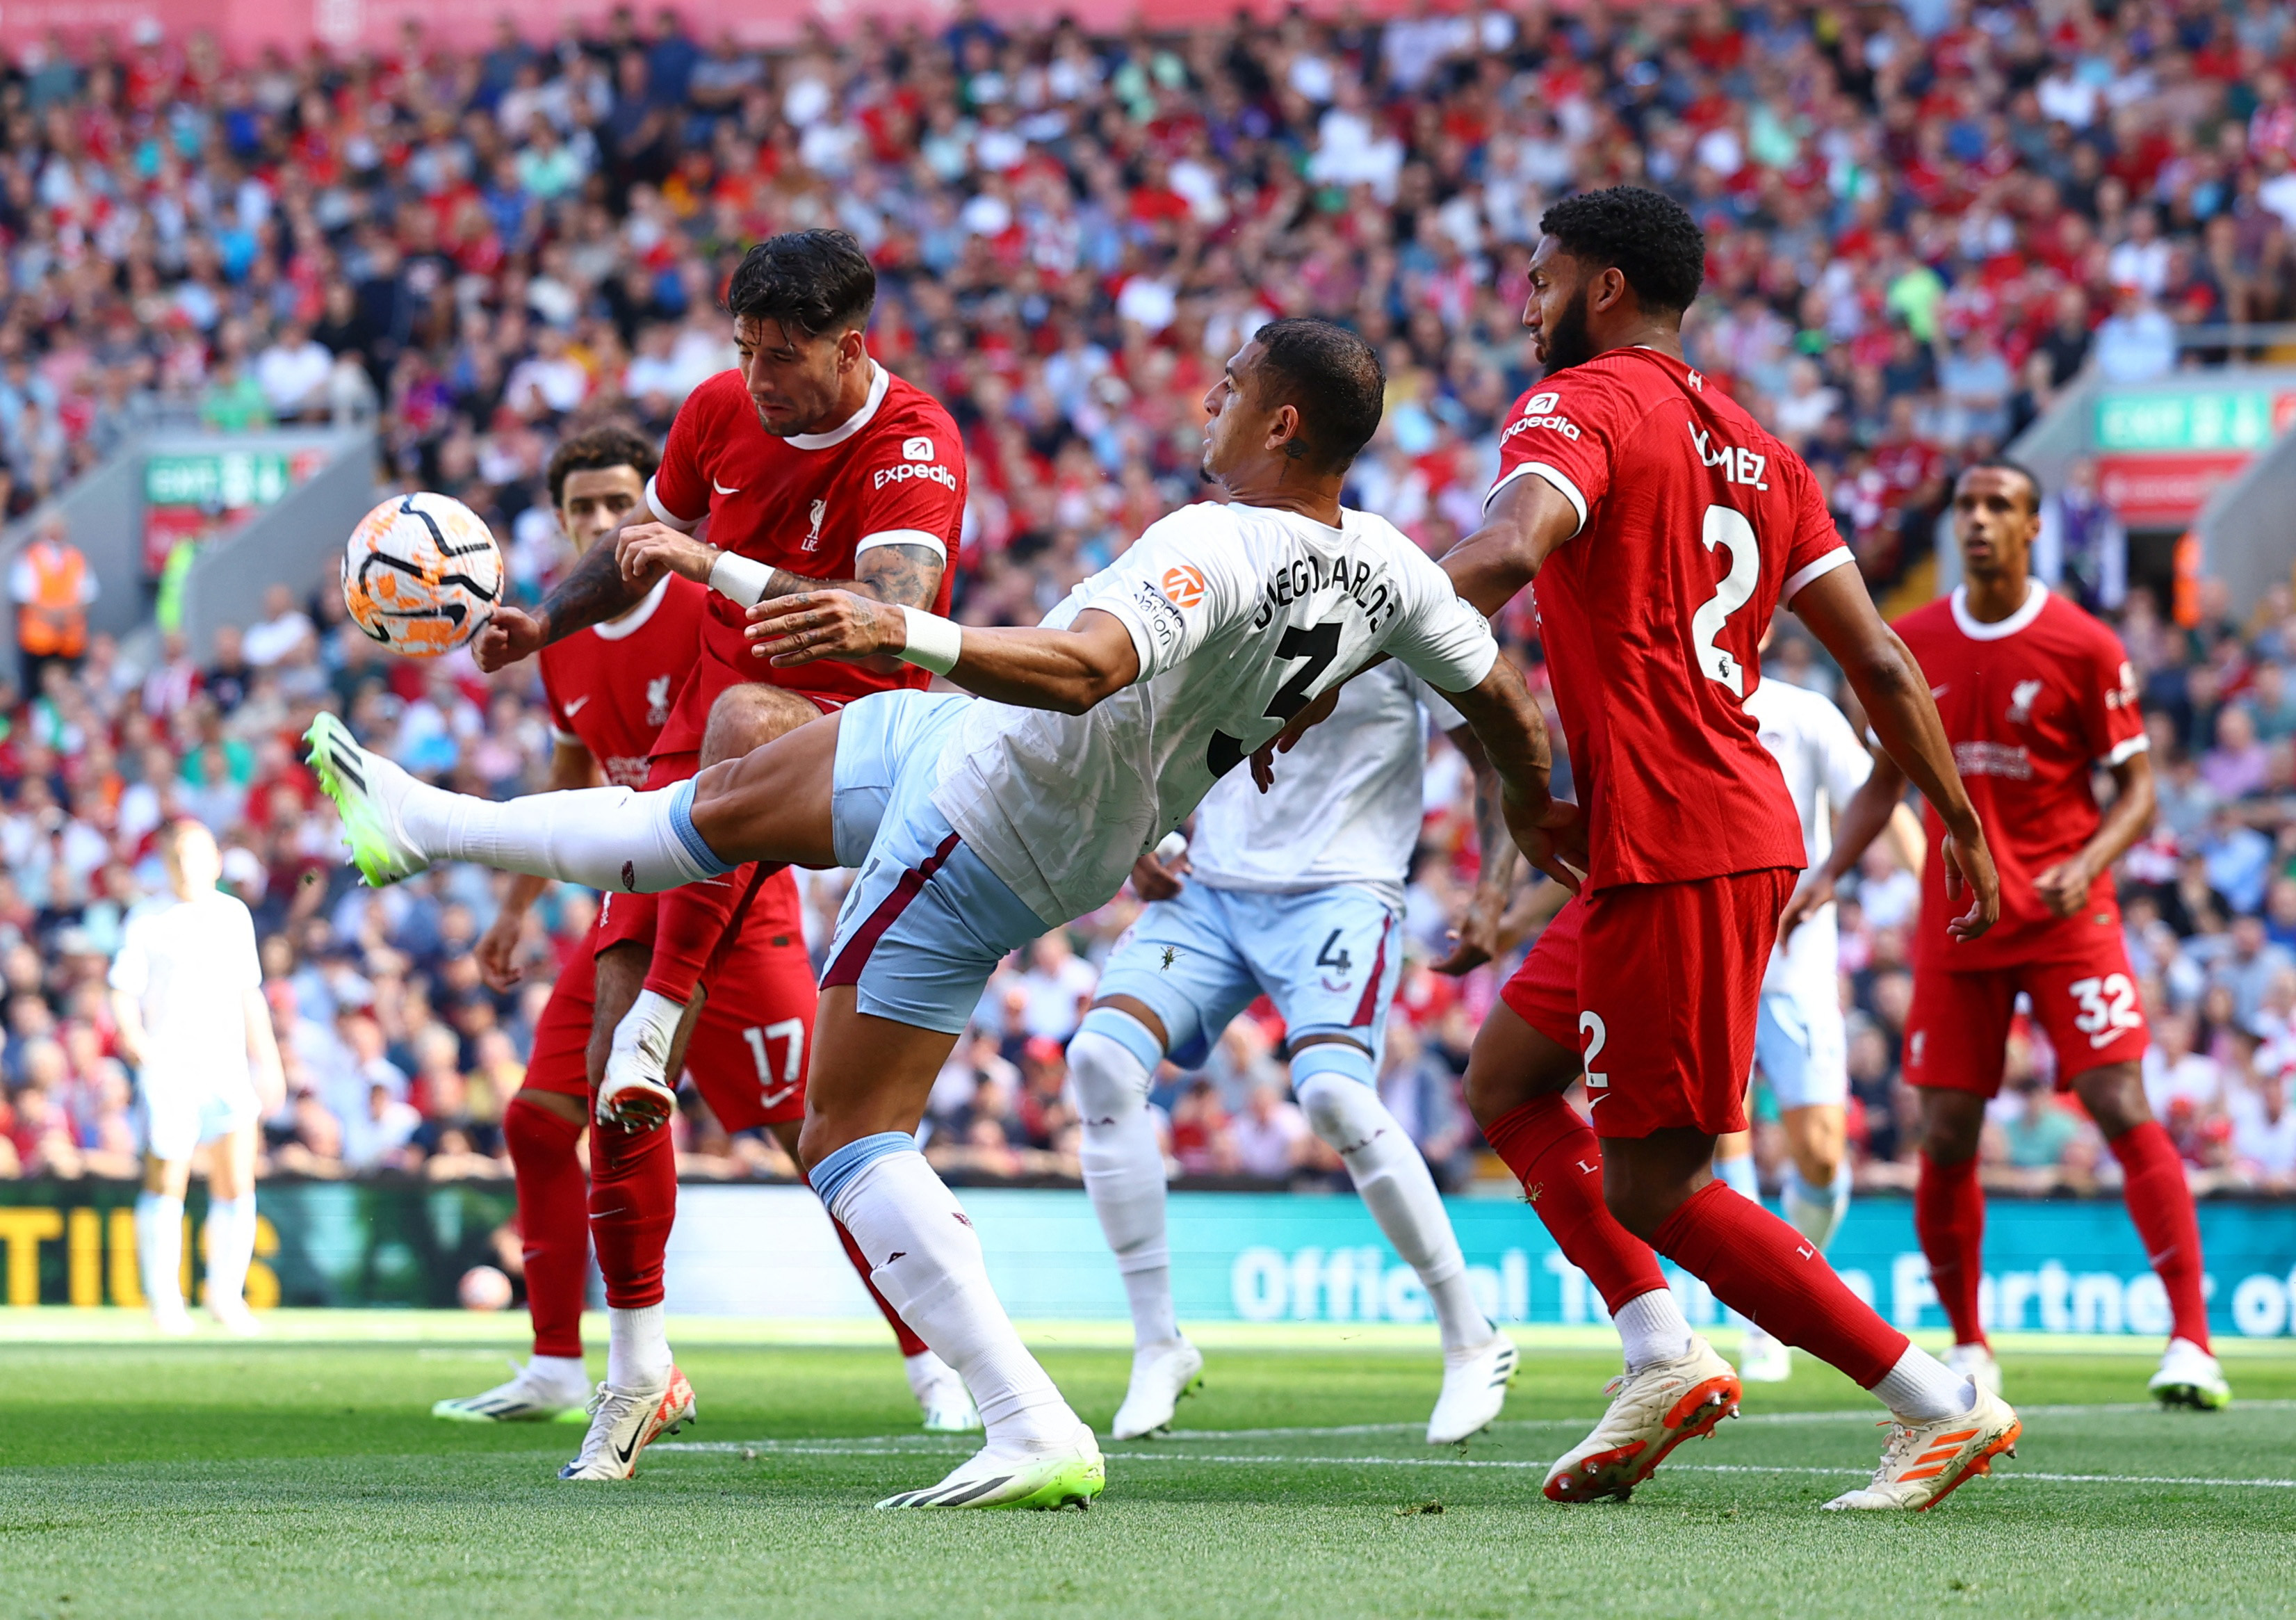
point(231, 1245)
point(159, 1249)
point(1922, 1389)
point(1738, 1175)
point(924, 1370)
point(1816, 1212)
point(1123, 1175)
point(1397, 1188)
point(615, 839)
point(558, 1368)
point(649, 1026)
point(933, 1273)
point(1651, 1328)
point(637, 1348)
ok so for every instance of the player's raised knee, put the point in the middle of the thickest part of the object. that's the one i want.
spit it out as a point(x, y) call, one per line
point(749, 717)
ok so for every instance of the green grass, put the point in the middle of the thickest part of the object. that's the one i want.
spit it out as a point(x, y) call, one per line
point(305, 1479)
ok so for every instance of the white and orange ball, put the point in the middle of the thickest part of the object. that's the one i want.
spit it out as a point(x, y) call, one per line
point(484, 1288)
point(421, 574)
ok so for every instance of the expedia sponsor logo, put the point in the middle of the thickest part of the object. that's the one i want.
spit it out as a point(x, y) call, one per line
point(901, 472)
point(1535, 416)
point(1994, 760)
point(919, 449)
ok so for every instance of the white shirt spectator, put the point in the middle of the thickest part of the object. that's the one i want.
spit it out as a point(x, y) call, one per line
point(294, 376)
point(1267, 1136)
point(373, 1133)
point(277, 638)
point(2136, 346)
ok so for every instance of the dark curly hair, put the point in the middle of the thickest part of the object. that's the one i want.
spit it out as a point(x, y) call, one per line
point(1649, 236)
point(1334, 378)
point(611, 444)
point(812, 282)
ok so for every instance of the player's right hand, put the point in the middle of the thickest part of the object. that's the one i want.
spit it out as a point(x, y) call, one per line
point(646, 550)
point(1555, 841)
point(497, 952)
point(509, 635)
point(1968, 865)
point(1478, 939)
point(1151, 879)
point(1814, 895)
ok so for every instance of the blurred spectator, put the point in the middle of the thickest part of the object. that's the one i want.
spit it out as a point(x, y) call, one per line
point(53, 585)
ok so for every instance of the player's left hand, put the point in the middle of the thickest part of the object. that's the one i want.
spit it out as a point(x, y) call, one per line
point(2064, 887)
point(646, 551)
point(1969, 870)
point(815, 624)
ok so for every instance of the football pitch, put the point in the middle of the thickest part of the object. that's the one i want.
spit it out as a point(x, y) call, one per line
point(302, 1475)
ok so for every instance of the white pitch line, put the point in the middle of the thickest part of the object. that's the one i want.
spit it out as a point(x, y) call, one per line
point(799, 1448)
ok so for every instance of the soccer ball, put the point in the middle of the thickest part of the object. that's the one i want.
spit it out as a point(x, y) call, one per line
point(484, 1288)
point(420, 574)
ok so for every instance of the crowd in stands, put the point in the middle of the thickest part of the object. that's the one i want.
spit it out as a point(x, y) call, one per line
point(1922, 222)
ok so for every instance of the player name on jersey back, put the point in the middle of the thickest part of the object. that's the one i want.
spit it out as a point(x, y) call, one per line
point(1241, 617)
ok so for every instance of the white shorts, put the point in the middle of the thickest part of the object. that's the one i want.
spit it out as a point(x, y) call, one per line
point(1329, 958)
point(177, 1114)
point(926, 922)
point(1802, 1050)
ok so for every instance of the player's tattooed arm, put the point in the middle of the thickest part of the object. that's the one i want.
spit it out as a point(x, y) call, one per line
point(593, 590)
point(1895, 694)
point(1478, 939)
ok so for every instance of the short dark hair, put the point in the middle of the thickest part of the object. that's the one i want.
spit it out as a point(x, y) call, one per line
point(1647, 235)
point(1334, 380)
point(594, 450)
point(2002, 464)
point(811, 282)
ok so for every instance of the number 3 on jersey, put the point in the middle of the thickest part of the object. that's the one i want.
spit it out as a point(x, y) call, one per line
point(1726, 529)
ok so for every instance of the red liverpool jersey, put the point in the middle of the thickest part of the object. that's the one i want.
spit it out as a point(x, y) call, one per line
point(609, 687)
point(1694, 523)
point(2033, 705)
point(893, 474)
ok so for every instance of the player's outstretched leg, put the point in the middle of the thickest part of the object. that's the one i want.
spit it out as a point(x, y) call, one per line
point(772, 805)
point(1113, 1058)
point(1336, 1088)
point(554, 1216)
point(927, 1260)
point(2160, 1202)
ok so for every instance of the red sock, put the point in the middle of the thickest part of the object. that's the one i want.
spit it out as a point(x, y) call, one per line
point(1762, 1269)
point(692, 924)
point(633, 1203)
point(911, 1345)
point(1559, 1164)
point(552, 1221)
point(1950, 1218)
point(2160, 1202)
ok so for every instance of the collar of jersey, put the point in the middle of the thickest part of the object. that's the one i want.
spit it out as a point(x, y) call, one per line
point(878, 383)
point(2037, 597)
point(632, 622)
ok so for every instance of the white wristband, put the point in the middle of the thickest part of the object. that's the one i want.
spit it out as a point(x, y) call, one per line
point(743, 578)
point(934, 642)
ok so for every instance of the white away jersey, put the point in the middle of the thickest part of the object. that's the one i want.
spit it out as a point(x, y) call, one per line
point(1824, 763)
point(1346, 806)
point(1242, 615)
point(188, 964)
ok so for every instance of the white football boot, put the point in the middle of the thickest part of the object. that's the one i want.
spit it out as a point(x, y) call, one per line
point(1923, 1463)
point(941, 1395)
point(1031, 1473)
point(232, 1316)
point(2189, 1375)
point(1975, 1363)
point(532, 1396)
point(1653, 1411)
point(1474, 1390)
point(635, 1093)
point(623, 1422)
point(1160, 1375)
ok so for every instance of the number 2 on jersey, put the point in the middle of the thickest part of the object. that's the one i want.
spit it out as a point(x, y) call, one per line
point(1726, 529)
point(1318, 645)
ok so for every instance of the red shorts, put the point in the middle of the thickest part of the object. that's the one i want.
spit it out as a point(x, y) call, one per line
point(1957, 1032)
point(748, 1051)
point(1659, 986)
